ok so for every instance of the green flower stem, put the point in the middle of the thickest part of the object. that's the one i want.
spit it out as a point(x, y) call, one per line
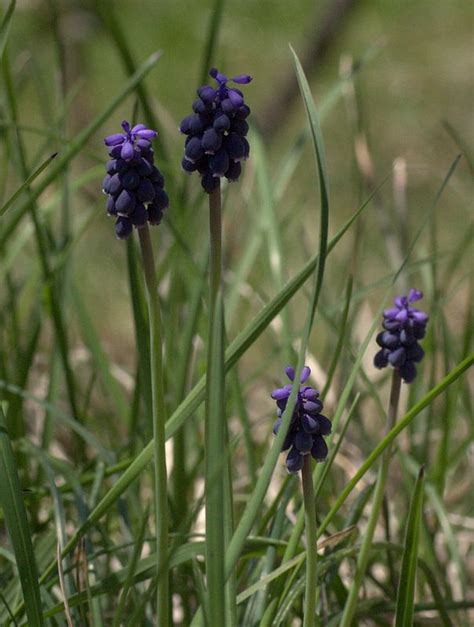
point(159, 420)
point(351, 603)
point(215, 260)
point(311, 539)
point(215, 433)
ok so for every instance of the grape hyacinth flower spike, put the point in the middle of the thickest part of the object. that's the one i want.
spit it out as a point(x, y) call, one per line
point(403, 326)
point(307, 425)
point(216, 132)
point(133, 184)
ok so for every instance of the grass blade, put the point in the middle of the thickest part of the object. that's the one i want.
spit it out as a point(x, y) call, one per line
point(25, 185)
point(5, 26)
point(16, 519)
point(406, 584)
point(211, 40)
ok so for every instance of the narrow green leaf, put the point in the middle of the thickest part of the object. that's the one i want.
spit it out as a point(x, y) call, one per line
point(131, 569)
point(93, 343)
point(61, 417)
point(318, 145)
point(18, 527)
point(406, 583)
point(25, 185)
point(211, 40)
point(5, 26)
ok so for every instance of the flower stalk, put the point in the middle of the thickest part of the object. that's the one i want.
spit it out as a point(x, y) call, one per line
point(311, 543)
point(215, 422)
point(351, 603)
point(159, 420)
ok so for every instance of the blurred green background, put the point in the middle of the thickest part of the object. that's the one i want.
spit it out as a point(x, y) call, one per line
point(416, 74)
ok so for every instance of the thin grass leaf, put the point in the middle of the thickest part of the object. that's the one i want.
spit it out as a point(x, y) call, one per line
point(340, 339)
point(62, 585)
point(437, 503)
point(131, 572)
point(107, 13)
point(25, 185)
point(18, 527)
point(63, 418)
point(5, 26)
point(211, 40)
point(461, 143)
point(406, 583)
point(318, 146)
point(291, 158)
point(93, 343)
point(273, 236)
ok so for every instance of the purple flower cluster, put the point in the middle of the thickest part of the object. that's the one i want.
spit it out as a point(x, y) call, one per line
point(134, 184)
point(307, 426)
point(216, 132)
point(403, 327)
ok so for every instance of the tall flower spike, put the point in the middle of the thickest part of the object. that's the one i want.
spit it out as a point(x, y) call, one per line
point(307, 425)
point(403, 326)
point(216, 132)
point(133, 184)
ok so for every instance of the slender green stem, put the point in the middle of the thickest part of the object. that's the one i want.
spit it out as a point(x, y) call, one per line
point(215, 432)
point(159, 420)
point(351, 603)
point(215, 259)
point(311, 539)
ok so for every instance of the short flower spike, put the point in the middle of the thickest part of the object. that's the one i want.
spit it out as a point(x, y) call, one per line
point(216, 132)
point(134, 185)
point(307, 425)
point(403, 326)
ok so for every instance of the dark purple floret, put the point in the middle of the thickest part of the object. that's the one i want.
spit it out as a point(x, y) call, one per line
point(134, 184)
point(216, 131)
point(307, 425)
point(404, 325)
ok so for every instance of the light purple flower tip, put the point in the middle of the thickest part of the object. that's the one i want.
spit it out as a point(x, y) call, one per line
point(402, 315)
point(290, 373)
point(114, 140)
point(305, 374)
point(138, 127)
point(242, 79)
point(414, 295)
point(146, 133)
point(235, 98)
point(220, 78)
point(391, 313)
point(126, 126)
point(127, 151)
point(400, 301)
point(420, 316)
point(310, 393)
point(279, 394)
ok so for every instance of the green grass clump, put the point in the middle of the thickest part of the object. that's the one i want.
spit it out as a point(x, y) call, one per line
point(317, 238)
